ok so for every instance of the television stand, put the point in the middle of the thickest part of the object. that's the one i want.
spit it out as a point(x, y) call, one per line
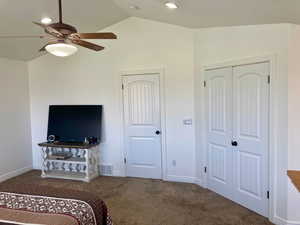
point(82, 166)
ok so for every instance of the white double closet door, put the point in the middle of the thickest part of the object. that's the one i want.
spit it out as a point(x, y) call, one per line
point(237, 113)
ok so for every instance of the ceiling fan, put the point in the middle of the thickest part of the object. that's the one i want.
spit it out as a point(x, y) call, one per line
point(63, 37)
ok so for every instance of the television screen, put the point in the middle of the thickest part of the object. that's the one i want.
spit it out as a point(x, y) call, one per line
point(73, 123)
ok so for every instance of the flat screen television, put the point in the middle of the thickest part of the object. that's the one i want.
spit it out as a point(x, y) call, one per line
point(74, 123)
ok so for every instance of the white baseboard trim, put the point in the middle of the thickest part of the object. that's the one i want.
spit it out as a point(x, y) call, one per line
point(116, 173)
point(280, 221)
point(14, 173)
point(199, 182)
point(180, 179)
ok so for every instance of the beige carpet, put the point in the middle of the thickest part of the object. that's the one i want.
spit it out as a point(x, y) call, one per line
point(151, 202)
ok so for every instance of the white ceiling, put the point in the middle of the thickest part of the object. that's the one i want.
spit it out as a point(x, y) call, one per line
point(93, 15)
point(209, 13)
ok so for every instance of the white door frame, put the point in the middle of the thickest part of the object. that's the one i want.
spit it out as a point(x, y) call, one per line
point(271, 59)
point(144, 72)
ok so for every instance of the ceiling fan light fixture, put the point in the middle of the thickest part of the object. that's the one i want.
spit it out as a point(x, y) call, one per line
point(61, 49)
point(46, 20)
point(64, 38)
point(171, 5)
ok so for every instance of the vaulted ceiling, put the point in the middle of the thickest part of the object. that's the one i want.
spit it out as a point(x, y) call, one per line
point(93, 15)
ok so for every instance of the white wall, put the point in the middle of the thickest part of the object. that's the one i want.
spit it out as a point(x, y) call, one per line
point(217, 45)
point(92, 78)
point(294, 121)
point(15, 144)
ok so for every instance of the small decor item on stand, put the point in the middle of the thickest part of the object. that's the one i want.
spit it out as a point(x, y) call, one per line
point(52, 138)
point(86, 141)
point(92, 140)
point(61, 155)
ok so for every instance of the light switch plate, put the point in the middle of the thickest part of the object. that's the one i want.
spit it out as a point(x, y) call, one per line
point(187, 121)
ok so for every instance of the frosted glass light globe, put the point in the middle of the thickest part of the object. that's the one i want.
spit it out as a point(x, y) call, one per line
point(61, 49)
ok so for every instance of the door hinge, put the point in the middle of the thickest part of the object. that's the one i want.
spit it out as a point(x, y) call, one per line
point(122, 86)
point(125, 160)
point(269, 79)
point(205, 169)
point(204, 83)
point(268, 194)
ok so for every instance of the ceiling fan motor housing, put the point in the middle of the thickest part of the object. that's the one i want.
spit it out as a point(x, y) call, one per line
point(63, 28)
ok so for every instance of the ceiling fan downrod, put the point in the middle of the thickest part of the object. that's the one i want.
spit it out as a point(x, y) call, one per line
point(60, 11)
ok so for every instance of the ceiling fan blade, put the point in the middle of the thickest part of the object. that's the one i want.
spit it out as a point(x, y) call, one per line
point(40, 24)
point(94, 35)
point(24, 36)
point(50, 30)
point(43, 49)
point(87, 44)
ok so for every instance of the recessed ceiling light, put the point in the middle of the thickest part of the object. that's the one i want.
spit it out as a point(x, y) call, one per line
point(46, 20)
point(171, 5)
point(135, 7)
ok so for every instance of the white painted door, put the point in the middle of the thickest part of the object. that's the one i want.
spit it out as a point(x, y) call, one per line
point(250, 130)
point(219, 117)
point(237, 127)
point(141, 97)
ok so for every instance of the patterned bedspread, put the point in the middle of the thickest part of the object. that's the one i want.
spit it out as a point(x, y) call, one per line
point(43, 205)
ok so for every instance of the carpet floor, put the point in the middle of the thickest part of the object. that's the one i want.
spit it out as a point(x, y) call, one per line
point(134, 201)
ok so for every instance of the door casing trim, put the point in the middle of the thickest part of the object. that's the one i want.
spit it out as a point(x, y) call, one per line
point(161, 73)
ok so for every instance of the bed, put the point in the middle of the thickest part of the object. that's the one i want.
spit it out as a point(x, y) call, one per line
point(43, 205)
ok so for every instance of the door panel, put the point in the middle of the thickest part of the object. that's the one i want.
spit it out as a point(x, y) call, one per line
point(142, 119)
point(250, 130)
point(248, 106)
point(218, 163)
point(141, 102)
point(249, 166)
point(219, 127)
point(141, 151)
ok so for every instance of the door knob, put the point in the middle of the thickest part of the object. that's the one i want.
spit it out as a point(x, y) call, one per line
point(234, 143)
point(157, 132)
